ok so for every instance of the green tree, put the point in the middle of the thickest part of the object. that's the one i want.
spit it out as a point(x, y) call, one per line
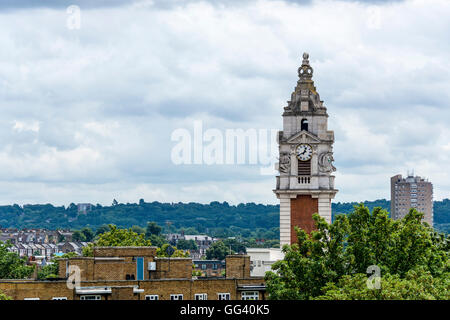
point(11, 265)
point(321, 260)
point(218, 250)
point(138, 229)
point(102, 229)
point(417, 285)
point(4, 296)
point(187, 244)
point(162, 252)
point(157, 241)
point(152, 229)
point(236, 245)
point(88, 234)
point(51, 270)
point(116, 237)
point(78, 236)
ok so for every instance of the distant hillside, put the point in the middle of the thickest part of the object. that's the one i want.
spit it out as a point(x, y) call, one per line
point(215, 216)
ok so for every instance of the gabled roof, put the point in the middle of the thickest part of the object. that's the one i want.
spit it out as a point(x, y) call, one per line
point(303, 136)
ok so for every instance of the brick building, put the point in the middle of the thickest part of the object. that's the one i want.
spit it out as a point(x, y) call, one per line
point(209, 268)
point(135, 273)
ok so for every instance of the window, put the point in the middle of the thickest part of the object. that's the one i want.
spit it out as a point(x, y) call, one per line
point(304, 125)
point(152, 297)
point(59, 298)
point(250, 295)
point(201, 296)
point(223, 296)
point(215, 266)
point(176, 297)
point(203, 266)
point(90, 297)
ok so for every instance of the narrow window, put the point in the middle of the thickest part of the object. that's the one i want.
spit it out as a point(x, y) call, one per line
point(304, 125)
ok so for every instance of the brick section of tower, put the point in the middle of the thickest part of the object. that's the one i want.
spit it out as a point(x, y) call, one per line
point(302, 209)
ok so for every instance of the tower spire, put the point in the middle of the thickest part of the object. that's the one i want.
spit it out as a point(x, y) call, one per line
point(305, 71)
point(305, 98)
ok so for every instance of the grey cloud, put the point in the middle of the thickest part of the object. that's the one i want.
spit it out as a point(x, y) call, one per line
point(167, 4)
point(108, 96)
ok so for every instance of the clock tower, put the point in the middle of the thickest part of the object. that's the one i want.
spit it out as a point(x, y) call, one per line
point(305, 184)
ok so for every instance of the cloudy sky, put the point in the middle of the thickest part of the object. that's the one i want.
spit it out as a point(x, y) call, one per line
point(87, 113)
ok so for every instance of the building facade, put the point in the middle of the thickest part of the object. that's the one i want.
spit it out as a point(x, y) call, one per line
point(135, 273)
point(411, 192)
point(305, 184)
point(262, 259)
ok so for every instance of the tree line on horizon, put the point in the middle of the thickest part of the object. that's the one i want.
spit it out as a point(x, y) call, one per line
point(249, 220)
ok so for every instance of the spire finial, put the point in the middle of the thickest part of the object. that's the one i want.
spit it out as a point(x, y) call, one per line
point(305, 58)
point(305, 71)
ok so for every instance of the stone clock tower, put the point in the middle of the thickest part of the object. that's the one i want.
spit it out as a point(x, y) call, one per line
point(305, 184)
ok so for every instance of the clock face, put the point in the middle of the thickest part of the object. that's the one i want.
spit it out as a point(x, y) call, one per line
point(304, 152)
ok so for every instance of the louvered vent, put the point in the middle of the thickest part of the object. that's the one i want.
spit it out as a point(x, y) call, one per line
point(304, 168)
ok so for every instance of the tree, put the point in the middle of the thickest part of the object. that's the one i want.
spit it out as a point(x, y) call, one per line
point(138, 229)
point(102, 229)
point(218, 250)
point(48, 271)
point(157, 241)
point(4, 296)
point(235, 245)
point(417, 285)
point(51, 270)
point(11, 265)
point(187, 244)
point(88, 234)
point(78, 236)
point(333, 255)
point(162, 252)
point(152, 229)
point(117, 238)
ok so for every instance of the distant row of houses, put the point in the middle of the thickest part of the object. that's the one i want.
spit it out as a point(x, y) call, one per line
point(47, 249)
point(36, 236)
point(27, 242)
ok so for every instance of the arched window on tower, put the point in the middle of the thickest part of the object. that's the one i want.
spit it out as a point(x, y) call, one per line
point(304, 125)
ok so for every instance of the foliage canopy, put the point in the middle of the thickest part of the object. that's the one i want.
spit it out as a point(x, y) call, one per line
point(335, 257)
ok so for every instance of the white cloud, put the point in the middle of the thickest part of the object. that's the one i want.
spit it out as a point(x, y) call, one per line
point(87, 114)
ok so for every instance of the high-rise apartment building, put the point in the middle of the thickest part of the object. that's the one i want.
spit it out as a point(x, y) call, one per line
point(411, 192)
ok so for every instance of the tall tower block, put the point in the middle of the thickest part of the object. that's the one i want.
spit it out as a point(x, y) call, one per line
point(305, 184)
